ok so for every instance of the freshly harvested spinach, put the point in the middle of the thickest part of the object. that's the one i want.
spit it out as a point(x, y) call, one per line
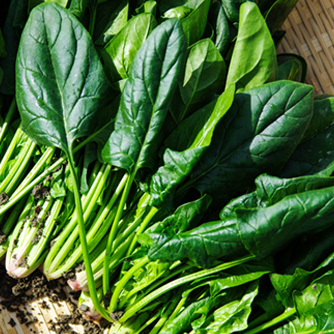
point(253, 60)
point(264, 119)
point(60, 89)
point(118, 54)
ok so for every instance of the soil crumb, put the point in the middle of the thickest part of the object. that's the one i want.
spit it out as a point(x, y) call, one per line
point(14, 294)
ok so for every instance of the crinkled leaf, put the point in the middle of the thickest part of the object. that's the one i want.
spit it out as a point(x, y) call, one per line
point(145, 100)
point(257, 135)
point(61, 91)
point(119, 53)
point(253, 60)
point(315, 154)
point(257, 230)
point(178, 165)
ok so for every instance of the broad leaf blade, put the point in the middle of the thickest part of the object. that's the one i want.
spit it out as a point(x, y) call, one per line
point(257, 135)
point(152, 81)
point(119, 53)
point(254, 56)
point(61, 85)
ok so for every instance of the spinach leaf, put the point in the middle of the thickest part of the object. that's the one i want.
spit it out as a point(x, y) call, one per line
point(264, 120)
point(233, 316)
point(61, 85)
point(119, 53)
point(179, 164)
point(315, 154)
point(193, 15)
point(248, 229)
point(278, 12)
point(152, 81)
point(111, 17)
point(204, 77)
point(62, 94)
point(218, 20)
point(253, 59)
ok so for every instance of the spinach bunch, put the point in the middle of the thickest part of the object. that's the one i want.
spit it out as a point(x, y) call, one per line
point(165, 114)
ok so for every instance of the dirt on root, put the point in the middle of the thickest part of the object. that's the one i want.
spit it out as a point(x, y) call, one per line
point(14, 294)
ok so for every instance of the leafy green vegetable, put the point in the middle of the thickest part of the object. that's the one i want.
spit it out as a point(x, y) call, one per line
point(118, 54)
point(264, 119)
point(145, 99)
point(253, 60)
point(63, 104)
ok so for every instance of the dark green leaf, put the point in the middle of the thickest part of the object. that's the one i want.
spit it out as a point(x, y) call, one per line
point(61, 85)
point(278, 12)
point(315, 154)
point(257, 135)
point(152, 81)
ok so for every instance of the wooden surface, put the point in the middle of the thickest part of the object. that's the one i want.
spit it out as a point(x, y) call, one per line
point(310, 33)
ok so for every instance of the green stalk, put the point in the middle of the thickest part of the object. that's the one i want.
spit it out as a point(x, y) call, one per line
point(13, 144)
point(8, 119)
point(80, 282)
point(54, 264)
point(43, 160)
point(28, 187)
point(282, 317)
point(167, 315)
point(120, 284)
point(17, 171)
point(142, 228)
point(157, 283)
point(112, 234)
point(83, 241)
point(133, 309)
point(10, 221)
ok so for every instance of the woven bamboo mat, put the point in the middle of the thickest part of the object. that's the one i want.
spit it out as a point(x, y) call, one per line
point(310, 33)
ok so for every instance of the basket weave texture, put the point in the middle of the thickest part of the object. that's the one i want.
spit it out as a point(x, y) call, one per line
point(310, 33)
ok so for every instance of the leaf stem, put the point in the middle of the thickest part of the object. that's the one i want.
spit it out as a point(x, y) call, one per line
point(287, 314)
point(120, 284)
point(112, 234)
point(83, 241)
point(132, 310)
